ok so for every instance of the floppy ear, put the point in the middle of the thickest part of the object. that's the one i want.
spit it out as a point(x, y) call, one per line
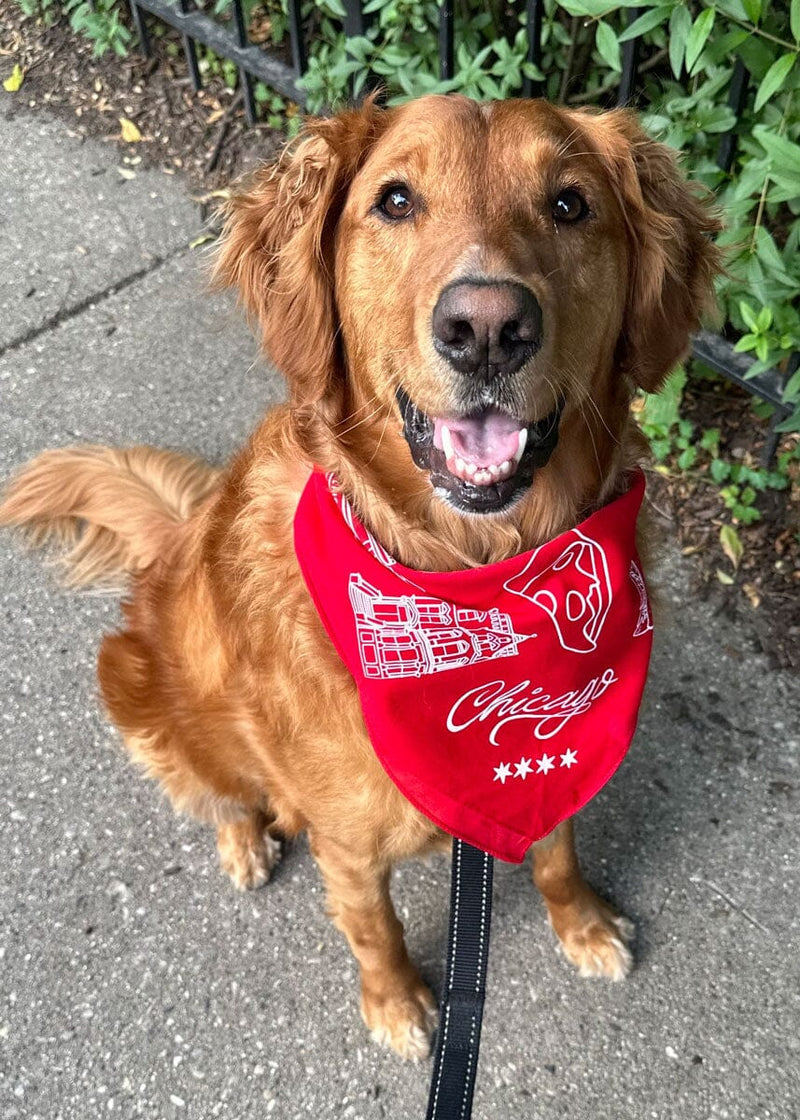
point(673, 260)
point(277, 247)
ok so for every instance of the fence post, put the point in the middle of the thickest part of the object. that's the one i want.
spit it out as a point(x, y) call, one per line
point(446, 41)
point(630, 60)
point(533, 25)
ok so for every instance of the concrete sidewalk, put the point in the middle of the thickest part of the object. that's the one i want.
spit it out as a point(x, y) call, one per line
point(134, 981)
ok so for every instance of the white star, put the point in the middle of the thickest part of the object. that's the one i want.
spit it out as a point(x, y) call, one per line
point(569, 758)
point(545, 763)
point(524, 768)
point(502, 772)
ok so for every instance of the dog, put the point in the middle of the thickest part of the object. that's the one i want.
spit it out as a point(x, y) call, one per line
point(482, 268)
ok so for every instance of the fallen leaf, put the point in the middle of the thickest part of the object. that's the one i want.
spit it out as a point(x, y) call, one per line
point(130, 133)
point(215, 116)
point(202, 239)
point(731, 544)
point(126, 173)
point(752, 594)
point(691, 549)
point(15, 79)
point(223, 192)
point(724, 578)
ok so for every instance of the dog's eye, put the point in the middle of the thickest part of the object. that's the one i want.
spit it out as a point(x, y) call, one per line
point(569, 207)
point(397, 202)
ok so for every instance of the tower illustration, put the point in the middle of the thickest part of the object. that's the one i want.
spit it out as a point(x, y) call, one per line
point(412, 635)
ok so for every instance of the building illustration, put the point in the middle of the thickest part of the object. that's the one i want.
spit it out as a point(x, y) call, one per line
point(413, 635)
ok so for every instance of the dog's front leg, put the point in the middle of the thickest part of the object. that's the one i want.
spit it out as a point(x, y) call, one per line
point(396, 1005)
point(592, 934)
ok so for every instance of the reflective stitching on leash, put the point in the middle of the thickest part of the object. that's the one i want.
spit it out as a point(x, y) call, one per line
point(479, 973)
point(446, 1027)
point(471, 1061)
point(455, 920)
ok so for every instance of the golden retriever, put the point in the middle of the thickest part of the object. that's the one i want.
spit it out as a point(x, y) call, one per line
point(502, 266)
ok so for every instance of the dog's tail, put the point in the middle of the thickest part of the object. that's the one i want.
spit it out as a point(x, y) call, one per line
point(114, 510)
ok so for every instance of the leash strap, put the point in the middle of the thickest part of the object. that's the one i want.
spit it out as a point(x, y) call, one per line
point(461, 1009)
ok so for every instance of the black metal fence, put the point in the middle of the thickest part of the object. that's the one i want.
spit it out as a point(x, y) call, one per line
point(257, 64)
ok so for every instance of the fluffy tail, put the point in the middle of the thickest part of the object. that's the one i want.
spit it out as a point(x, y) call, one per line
point(113, 510)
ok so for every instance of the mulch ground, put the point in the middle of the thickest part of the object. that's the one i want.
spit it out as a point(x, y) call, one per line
point(203, 138)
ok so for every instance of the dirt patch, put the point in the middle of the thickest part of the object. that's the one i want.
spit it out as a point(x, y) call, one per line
point(764, 589)
point(203, 137)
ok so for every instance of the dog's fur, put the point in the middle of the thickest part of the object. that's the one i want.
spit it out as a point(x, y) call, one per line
point(223, 682)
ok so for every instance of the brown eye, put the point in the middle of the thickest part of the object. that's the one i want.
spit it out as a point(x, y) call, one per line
point(569, 207)
point(397, 202)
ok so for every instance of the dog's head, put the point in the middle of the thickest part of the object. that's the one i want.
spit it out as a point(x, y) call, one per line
point(474, 289)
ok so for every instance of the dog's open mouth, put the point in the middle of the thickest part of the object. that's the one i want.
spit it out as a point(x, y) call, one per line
point(480, 463)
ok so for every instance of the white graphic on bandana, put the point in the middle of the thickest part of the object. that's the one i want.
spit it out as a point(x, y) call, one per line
point(411, 635)
point(362, 535)
point(579, 610)
point(544, 765)
point(502, 772)
point(644, 622)
point(504, 704)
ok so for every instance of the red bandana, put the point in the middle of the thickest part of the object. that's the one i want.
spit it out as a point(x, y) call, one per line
point(500, 699)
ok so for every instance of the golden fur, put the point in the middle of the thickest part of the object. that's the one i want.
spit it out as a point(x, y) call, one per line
point(222, 680)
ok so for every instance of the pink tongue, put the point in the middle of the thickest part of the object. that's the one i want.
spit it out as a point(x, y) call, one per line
point(483, 440)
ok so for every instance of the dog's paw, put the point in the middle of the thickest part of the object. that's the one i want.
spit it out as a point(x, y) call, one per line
point(247, 854)
point(405, 1023)
point(600, 946)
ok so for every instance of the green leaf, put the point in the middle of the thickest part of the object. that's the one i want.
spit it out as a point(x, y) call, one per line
point(764, 319)
point(664, 408)
point(774, 79)
point(785, 154)
point(698, 36)
point(719, 470)
point(794, 20)
point(748, 315)
point(724, 578)
point(753, 9)
point(607, 45)
point(585, 7)
point(731, 544)
point(709, 441)
point(687, 459)
point(680, 24)
point(646, 22)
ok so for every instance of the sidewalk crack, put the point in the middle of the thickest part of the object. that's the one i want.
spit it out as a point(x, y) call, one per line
point(65, 314)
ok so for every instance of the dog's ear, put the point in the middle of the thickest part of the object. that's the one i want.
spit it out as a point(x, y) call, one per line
point(277, 246)
point(673, 259)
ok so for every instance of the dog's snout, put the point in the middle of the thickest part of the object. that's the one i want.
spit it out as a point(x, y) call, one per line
point(487, 328)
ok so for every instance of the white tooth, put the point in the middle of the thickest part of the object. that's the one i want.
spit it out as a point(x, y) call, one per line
point(523, 439)
point(471, 468)
point(461, 465)
point(505, 467)
point(494, 471)
point(447, 442)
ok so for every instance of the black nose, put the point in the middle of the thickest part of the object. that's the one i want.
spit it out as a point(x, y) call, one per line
point(487, 328)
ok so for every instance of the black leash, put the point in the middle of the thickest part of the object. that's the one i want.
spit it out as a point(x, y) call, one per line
point(461, 1009)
